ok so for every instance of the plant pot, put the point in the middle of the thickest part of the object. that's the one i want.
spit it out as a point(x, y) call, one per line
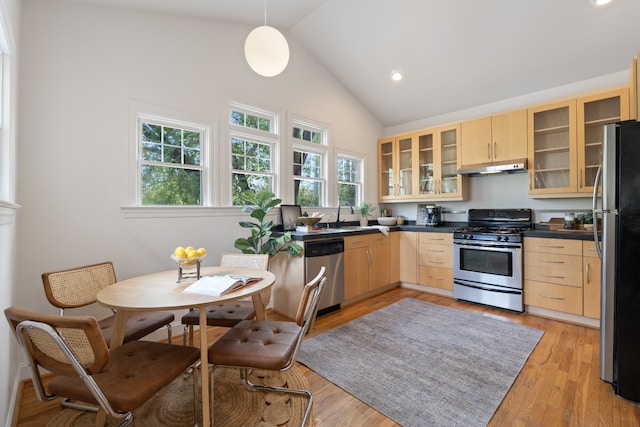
point(364, 222)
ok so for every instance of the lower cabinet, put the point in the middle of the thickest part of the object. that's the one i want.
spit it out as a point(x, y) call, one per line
point(436, 260)
point(591, 279)
point(562, 275)
point(366, 264)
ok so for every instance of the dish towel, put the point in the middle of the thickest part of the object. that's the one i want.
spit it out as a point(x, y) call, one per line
point(382, 228)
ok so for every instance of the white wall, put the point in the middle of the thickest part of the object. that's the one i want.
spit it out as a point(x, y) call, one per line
point(79, 64)
point(9, 26)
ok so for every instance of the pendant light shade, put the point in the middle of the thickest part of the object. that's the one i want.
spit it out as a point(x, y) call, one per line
point(267, 51)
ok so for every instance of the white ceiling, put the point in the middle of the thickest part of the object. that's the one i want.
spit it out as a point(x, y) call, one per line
point(455, 54)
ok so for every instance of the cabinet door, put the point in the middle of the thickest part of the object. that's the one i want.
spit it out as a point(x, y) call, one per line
point(386, 161)
point(591, 280)
point(593, 113)
point(552, 149)
point(408, 261)
point(379, 261)
point(426, 163)
point(476, 146)
point(509, 136)
point(448, 182)
point(405, 167)
point(356, 266)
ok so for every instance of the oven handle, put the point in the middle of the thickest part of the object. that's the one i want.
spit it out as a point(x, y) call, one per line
point(488, 246)
point(485, 288)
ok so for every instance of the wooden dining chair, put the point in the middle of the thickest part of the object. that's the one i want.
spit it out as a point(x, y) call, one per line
point(117, 381)
point(229, 313)
point(268, 345)
point(79, 287)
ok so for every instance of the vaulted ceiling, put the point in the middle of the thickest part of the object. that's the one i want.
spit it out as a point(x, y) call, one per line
point(454, 54)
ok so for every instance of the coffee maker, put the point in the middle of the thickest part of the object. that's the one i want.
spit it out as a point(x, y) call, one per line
point(429, 215)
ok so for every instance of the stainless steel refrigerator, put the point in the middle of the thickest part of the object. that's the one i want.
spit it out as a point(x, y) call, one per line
point(618, 246)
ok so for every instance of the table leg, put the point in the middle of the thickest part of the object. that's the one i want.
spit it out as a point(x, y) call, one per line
point(119, 328)
point(204, 367)
point(259, 307)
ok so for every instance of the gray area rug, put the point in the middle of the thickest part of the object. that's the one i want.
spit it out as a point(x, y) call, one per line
point(422, 364)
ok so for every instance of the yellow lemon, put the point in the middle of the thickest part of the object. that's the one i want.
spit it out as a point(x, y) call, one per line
point(202, 251)
point(180, 252)
point(193, 254)
point(189, 249)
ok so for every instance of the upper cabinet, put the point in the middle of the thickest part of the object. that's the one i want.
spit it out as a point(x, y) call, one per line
point(565, 142)
point(552, 148)
point(498, 138)
point(593, 113)
point(396, 169)
point(421, 166)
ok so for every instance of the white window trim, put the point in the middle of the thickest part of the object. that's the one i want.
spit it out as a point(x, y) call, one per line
point(137, 111)
point(324, 149)
point(274, 138)
point(362, 159)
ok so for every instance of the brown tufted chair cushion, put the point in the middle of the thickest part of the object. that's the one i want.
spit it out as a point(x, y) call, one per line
point(226, 315)
point(139, 324)
point(260, 344)
point(134, 373)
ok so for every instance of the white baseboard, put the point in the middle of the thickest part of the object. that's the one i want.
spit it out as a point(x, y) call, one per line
point(21, 375)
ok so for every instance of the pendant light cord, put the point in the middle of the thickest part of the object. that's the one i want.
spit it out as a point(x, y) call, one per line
point(265, 13)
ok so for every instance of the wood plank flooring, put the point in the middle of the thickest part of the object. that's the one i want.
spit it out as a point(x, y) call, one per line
point(558, 386)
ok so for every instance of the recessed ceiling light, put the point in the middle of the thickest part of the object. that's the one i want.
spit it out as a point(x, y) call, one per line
point(396, 75)
point(599, 2)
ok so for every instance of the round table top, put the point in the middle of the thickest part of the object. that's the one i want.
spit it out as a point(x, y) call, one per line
point(161, 291)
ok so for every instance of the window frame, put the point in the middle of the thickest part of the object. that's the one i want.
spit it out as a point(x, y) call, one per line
point(323, 148)
point(361, 184)
point(139, 112)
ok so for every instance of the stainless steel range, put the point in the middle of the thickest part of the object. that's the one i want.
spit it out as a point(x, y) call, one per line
point(487, 258)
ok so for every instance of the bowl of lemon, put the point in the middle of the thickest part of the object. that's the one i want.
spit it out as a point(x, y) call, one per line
point(188, 257)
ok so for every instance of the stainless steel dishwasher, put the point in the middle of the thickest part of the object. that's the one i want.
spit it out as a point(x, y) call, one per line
point(330, 254)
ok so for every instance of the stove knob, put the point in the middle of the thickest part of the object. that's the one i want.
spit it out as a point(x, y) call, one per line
point(505, 238)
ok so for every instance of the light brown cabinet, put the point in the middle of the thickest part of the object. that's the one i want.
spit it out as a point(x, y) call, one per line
point(591, 281)
point(404, 266)
point(565, 142)
point(436, 260)
point(422, 165)
point(366, 264)
point(553, 274)
point(498, 138)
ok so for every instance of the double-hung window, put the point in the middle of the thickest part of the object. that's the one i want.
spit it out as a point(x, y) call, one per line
point(254, 139)
point(171, 162)
point(349, 172)
point(309, 152)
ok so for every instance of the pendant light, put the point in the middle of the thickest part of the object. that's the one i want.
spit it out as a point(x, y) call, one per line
point(266, 49)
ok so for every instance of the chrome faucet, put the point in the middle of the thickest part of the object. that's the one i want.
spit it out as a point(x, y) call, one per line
point(338, 218)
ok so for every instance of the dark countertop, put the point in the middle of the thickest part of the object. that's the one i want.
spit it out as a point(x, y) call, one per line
point(350, 229)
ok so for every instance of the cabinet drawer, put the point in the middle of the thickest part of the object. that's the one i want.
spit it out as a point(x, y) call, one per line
point(436, 255)
point(380, 239)
point(356, 242)
point(554, 261)
point(567, 299)
point(436, 277)
point(435, 238)
point(553, 246)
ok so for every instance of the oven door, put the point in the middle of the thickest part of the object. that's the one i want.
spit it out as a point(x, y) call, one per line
point(490, 263)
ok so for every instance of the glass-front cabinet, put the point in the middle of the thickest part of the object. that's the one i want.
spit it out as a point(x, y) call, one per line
point(593, 113)
point(420, 166)
point(565, 142)
point(552, 148)
point(396, 156)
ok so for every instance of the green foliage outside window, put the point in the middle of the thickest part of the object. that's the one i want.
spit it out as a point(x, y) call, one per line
point(170, 169)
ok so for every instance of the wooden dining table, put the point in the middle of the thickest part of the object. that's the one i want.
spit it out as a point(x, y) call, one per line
point(162, 291)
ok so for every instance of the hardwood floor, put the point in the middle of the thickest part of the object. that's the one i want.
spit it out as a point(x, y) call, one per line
point(558, 386)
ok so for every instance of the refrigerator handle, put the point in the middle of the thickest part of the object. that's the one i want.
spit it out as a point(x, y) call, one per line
point(596, 185)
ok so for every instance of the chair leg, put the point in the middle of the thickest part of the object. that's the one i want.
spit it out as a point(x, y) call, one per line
point(101, 418)
point(79, 406)
point(196, 408)
point(169, 333)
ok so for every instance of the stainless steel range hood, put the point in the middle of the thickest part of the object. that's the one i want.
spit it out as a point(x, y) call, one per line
point(484, 169)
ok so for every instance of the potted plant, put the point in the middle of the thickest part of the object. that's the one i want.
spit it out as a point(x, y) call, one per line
point(364, 210)
point(261, 240)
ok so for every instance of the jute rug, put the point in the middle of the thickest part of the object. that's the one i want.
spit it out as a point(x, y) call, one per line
point(235, 406)
point(422, 364)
